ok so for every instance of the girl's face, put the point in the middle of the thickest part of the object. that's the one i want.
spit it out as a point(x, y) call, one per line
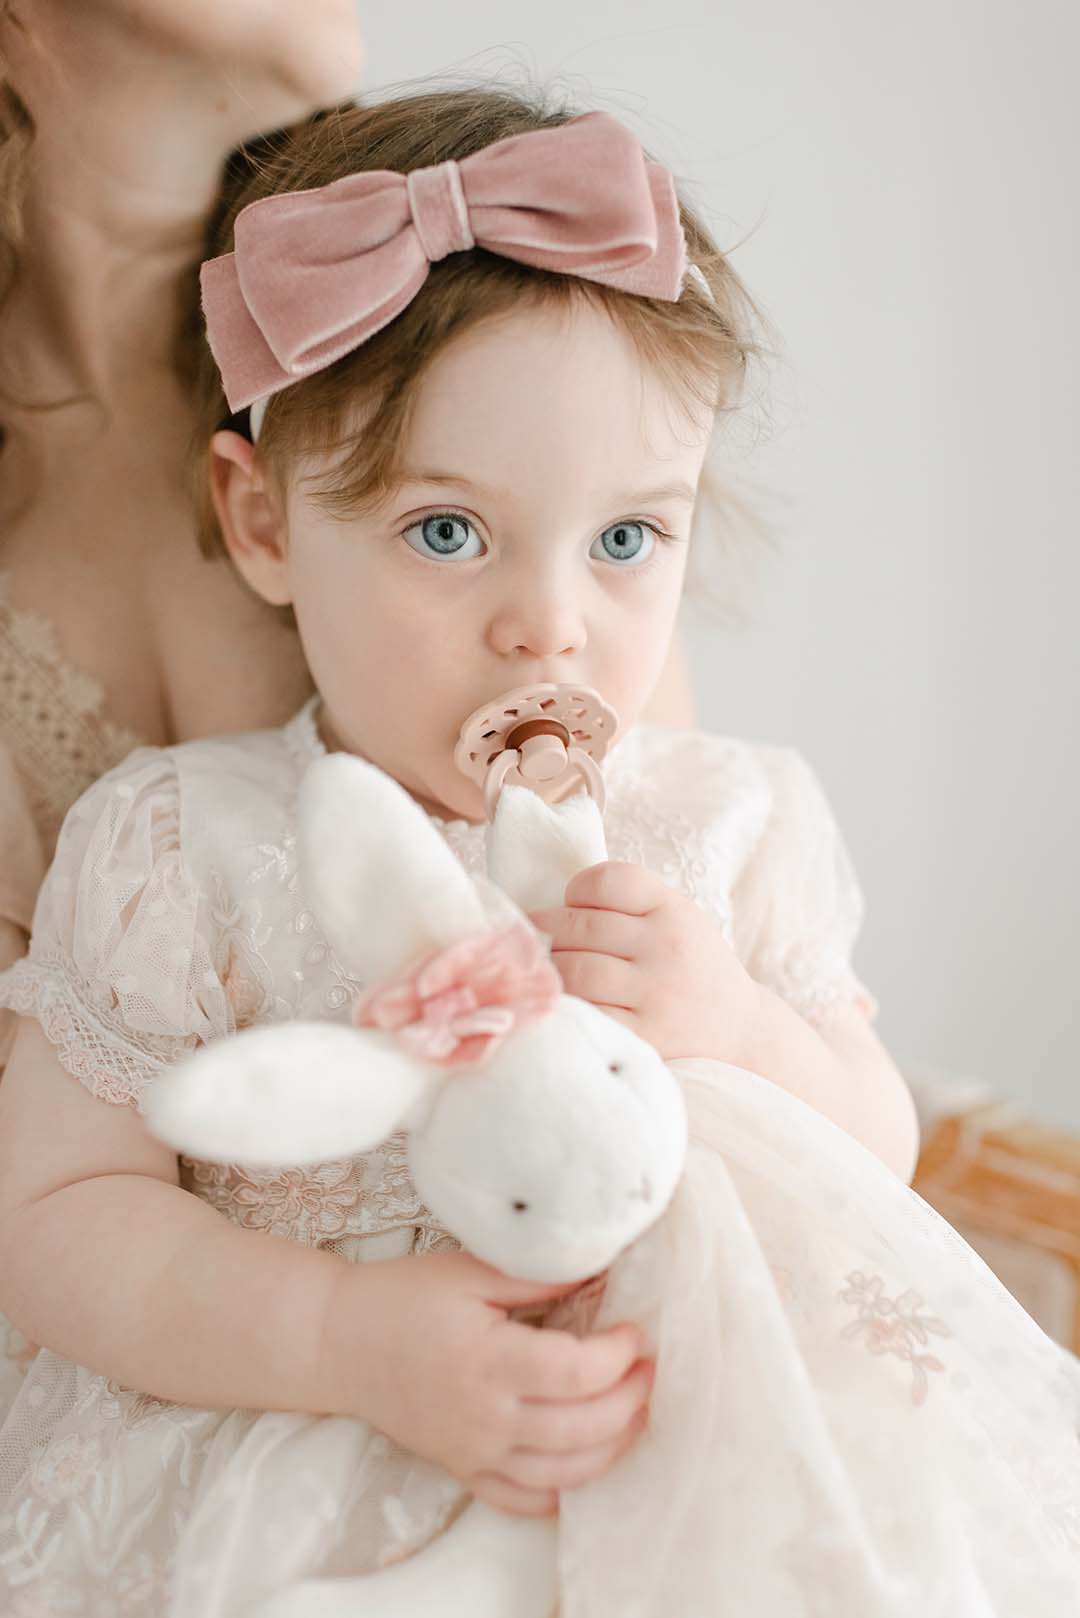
point(539, 533)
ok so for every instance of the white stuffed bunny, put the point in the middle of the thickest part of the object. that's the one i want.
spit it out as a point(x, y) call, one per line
point(542, 1133)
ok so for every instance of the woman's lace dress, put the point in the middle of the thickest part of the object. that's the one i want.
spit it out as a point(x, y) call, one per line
point(851, 1415)
point(55, 740)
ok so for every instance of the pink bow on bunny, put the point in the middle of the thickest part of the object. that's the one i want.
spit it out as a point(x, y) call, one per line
point(460, 1003)
point(316, 273)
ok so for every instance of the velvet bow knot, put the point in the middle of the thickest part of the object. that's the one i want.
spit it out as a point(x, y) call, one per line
point(316, 273)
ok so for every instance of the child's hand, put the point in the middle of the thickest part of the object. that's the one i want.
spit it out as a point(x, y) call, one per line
point(646, 954)
point(517, 1413)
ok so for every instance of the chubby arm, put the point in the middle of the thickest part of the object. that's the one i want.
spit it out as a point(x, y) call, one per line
point(106, 1259)
point(840, 1068)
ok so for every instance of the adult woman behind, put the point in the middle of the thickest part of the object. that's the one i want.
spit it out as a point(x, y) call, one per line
point(116, 119)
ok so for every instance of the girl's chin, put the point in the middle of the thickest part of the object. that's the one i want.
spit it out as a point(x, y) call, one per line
point(445, 796)
point(468, 805)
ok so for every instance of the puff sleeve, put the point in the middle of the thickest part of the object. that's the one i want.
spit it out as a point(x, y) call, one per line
point(797, 906)
point(121, 970)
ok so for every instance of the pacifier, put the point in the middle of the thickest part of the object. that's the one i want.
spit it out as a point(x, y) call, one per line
point(550, 738)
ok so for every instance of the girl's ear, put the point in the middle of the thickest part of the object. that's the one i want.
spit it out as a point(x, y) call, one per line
point(249, 511)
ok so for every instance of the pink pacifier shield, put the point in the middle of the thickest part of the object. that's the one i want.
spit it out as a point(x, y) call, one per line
point(547, 737)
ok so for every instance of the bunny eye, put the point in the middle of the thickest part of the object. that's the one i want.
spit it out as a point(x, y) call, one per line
point(520, 1207)
point(614, 1067)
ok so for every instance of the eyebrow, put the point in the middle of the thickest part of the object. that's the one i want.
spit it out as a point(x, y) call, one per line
point(669, 491)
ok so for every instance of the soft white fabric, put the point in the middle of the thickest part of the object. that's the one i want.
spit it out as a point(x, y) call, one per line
point(851, 1415)
point(534, 848)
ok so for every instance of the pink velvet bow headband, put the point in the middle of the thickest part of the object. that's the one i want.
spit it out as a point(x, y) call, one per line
point(316, 273)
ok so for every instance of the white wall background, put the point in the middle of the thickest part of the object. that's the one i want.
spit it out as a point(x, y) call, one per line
point(907, 178)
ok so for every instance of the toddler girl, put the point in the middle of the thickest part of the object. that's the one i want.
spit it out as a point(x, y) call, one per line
point(473, 352)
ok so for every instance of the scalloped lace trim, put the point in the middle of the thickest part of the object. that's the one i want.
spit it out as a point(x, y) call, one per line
point(52, 714)
point(91, 1041)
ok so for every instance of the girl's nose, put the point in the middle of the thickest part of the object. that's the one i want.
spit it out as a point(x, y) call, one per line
point(542, 623)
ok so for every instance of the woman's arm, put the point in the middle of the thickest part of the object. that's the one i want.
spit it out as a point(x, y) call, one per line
point(106, 1259)
point(12, 942)
point(12, 945)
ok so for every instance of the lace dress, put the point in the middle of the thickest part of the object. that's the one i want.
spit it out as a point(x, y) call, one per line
point(55, 740)
point(850, 1416)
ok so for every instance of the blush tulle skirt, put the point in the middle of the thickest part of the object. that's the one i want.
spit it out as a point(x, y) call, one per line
point(851, 1416)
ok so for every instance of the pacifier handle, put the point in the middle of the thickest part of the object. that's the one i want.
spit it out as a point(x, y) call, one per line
point(543, 745)
point(507, 760)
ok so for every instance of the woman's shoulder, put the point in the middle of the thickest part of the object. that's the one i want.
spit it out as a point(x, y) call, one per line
point(237, 765)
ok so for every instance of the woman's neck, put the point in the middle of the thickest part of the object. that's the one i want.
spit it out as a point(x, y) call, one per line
point(125, 164)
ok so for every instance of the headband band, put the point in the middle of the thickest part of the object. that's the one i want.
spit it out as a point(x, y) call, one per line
point(315, 273)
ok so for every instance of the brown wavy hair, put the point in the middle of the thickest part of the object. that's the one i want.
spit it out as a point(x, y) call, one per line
point(701, 345)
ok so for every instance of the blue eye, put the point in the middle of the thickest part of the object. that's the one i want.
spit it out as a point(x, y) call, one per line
point(625, 542)
point(443, 534)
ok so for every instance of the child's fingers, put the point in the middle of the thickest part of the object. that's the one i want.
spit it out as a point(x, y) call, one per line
point(608, 932)
point(558, 1427)
point(629, 1019)
point(538, 1469)
point(495, 1490)
point(616, 885)
point(557, 1365)
point(600, 979)
point(505, 1292)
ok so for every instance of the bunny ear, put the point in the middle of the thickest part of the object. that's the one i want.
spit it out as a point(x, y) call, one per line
point(289, 1093)
point(382, 882)
point(534, 848)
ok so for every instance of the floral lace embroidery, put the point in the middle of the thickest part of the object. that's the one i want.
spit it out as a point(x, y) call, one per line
point(243, 972)
point(643, 830)
point(893, 1326)
point(65, 1467)
point(322, 1203)
point(53, 717)
point(81, 1021)
point(64, 1489)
